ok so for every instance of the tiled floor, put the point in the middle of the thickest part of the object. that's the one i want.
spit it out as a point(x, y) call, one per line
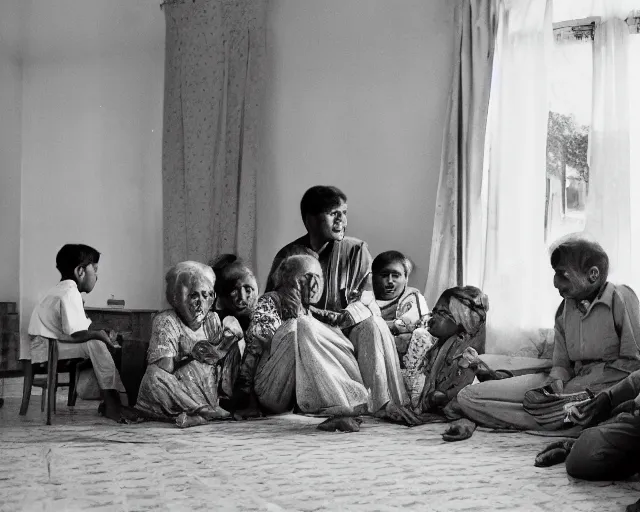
point(84, 462)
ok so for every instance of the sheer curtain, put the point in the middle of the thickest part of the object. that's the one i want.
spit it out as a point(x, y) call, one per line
point(608, 212)
point(456, 247)
point(512, 251)
point(634, 111)
point(517, 275)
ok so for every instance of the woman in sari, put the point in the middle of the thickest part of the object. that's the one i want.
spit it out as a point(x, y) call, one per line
point(347, 300)
point(293, 359)
point(458, 322)
point(192, 355)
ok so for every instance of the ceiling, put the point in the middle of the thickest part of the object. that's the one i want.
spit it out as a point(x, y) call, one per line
point(36, 29)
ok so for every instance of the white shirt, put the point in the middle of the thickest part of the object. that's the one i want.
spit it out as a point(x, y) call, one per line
point(60, 313)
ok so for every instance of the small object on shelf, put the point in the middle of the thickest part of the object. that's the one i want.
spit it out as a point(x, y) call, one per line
point(115, 303)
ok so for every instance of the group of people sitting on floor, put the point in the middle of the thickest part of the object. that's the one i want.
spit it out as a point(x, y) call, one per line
point(341, 335)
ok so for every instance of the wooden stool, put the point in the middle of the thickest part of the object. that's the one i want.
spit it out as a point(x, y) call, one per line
point(49, 384)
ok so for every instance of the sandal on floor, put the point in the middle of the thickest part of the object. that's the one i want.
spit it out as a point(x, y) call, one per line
point(459, 431)
point(555, 453)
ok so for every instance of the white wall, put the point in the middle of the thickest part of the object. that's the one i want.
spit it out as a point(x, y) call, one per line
point(92, 146)
point(10, 150)
point(356, 98)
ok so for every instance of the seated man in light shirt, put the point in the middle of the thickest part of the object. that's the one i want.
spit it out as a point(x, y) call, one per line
point(597, 341)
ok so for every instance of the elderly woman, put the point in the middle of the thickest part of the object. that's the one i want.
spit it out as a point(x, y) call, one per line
point(458, 322)
point(192, 354)
point(292, 358)
point(347, 300)
point(236, 289)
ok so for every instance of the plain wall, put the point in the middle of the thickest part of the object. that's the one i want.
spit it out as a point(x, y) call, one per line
point(356, 98)
point(10, 150)
point(92, 140)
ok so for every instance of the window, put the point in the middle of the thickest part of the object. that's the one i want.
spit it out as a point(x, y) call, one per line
point(569, 124)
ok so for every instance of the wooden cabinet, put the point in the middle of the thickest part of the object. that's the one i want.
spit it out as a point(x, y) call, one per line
point(134, 325)
point(9, 338)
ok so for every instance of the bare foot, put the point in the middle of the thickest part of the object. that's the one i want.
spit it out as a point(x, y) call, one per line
point(112, 414)
point(185, 421)
point(130, 415)
point(459, 430)
point(212, 414)
point(343, 424)
point(246, 414)
point(111, 406)
point(399, 414)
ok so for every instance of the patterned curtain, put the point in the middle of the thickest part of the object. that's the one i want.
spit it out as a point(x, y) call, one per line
point(214, 67)
point(457, 241)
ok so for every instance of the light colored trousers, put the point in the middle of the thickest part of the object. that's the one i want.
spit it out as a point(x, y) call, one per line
point(498, 403)
point(103, 375)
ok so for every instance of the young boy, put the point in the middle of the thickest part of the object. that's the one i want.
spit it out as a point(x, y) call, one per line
point(60, 315)
point(405, 310)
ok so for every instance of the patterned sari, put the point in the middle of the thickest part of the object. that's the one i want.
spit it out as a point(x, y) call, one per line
point(300, 360)
point(346, 265)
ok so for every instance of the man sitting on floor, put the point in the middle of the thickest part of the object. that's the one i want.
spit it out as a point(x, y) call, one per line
point(597, 331)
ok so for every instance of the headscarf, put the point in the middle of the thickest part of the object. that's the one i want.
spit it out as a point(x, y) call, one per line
point(468, 305)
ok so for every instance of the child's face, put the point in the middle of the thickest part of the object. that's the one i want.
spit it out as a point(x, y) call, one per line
point(442, 325)
point(390, 281)
point(87, 277)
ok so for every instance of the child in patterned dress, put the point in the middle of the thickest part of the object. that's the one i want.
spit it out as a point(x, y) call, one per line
point(406, 312)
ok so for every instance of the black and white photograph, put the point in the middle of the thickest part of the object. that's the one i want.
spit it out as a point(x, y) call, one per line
point(320, 255)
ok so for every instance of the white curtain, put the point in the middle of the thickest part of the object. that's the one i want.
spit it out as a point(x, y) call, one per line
point(634, 111)
point(608, 212)
point(517, 274)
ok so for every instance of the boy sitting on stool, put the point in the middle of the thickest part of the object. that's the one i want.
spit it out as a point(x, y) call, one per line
point(60, 315)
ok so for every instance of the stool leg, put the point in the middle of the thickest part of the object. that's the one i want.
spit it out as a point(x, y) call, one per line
point(52, 374)
point(26, 386)
point(43, 400)
point(73, 378)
